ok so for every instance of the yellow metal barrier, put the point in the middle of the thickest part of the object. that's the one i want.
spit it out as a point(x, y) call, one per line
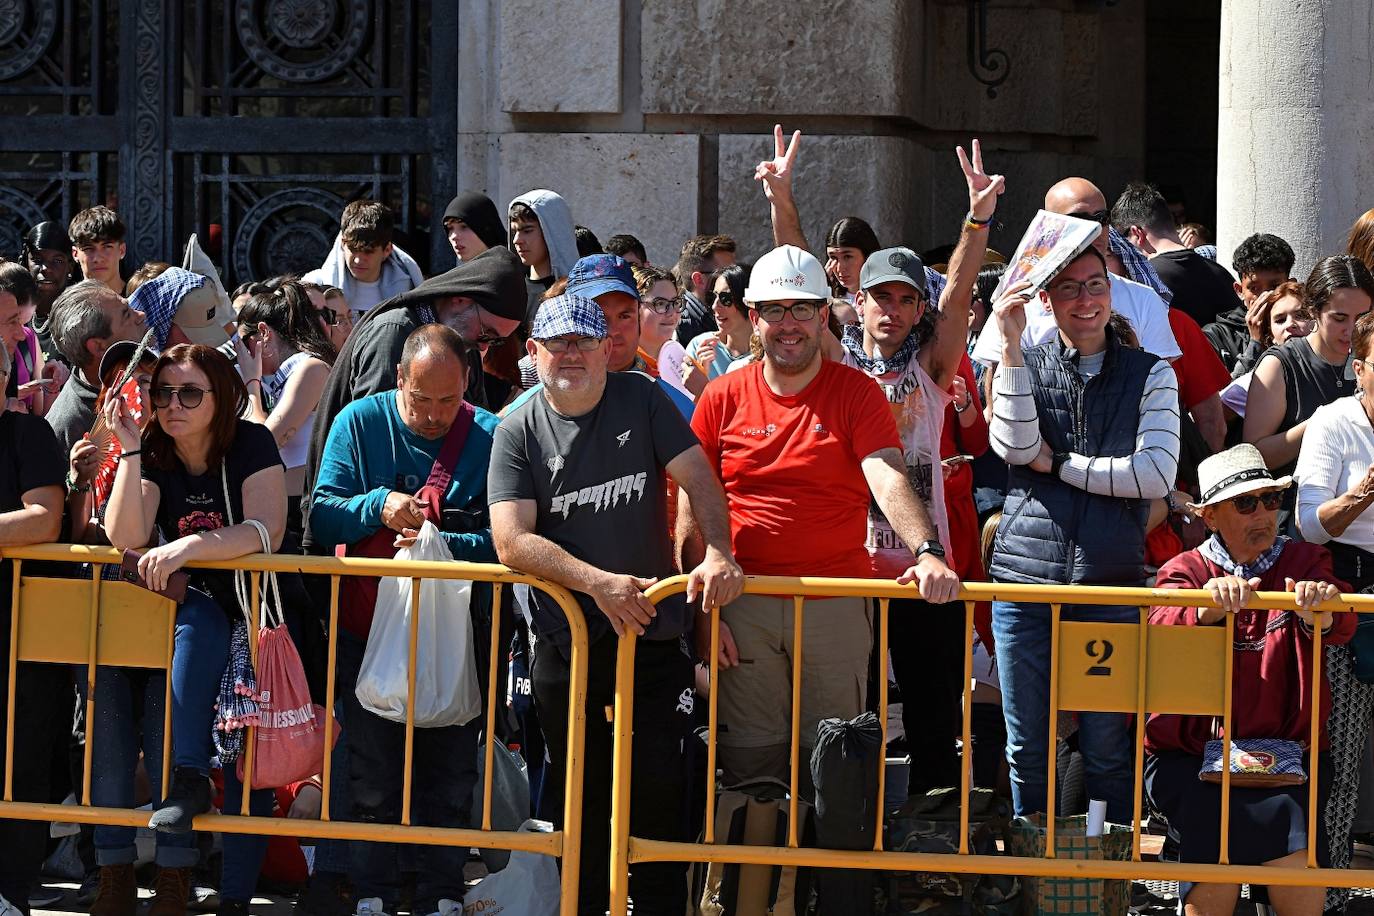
point(94, 623)
point(1095, 667)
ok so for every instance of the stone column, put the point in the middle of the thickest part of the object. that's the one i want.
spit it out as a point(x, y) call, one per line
point(1295, 134)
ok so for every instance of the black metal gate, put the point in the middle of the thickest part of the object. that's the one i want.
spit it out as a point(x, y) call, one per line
point(249, 122)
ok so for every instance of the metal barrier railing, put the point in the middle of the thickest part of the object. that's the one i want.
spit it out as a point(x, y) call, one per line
point(122, 624)
point(1139, 680)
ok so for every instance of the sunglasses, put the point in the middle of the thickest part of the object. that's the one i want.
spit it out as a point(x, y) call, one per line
point(1098, 216)
point(727, 299)
point(189, 396)
point(1246, 503)
point(801, 311)
point(327, 315)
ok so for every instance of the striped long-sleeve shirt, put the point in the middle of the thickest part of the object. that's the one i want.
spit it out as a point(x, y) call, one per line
point(1147, 473)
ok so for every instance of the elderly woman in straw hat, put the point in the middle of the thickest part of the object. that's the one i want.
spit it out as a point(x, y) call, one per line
point(1272, 678)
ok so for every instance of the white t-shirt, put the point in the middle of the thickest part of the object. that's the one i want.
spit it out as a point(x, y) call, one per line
point(918, 406)
point(1148, 314)
point(364, 297)
point(1337, 450)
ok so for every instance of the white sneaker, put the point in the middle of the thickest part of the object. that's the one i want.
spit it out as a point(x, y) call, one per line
point(449, 907)
point(9, 909)
point(367, 906)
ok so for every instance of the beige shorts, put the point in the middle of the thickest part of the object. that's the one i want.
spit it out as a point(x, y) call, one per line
point(755, 704)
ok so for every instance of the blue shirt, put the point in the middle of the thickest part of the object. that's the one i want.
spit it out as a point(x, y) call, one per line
point(371, 452)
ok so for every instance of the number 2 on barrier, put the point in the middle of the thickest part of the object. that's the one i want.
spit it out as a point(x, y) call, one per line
point(1101, 655)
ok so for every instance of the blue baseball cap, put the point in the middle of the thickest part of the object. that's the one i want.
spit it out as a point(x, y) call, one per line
point(569, 314)
point(601, 273)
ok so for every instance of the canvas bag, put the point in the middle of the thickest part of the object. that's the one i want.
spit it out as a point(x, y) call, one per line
point(446, 688)
point(755, 814)
point(1072, 896)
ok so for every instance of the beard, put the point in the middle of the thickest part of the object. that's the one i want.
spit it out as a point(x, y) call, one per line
point(792, 365)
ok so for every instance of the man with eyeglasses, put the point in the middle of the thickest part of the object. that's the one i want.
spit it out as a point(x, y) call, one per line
point(578, 490)
point(1141, 306)
point(32, 467)
point(803, 445)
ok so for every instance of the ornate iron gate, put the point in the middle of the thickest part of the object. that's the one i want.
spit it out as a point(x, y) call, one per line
point(250, 122)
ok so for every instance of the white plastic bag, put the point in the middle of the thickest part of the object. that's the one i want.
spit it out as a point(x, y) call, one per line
point(446, 689)
point(527, 886)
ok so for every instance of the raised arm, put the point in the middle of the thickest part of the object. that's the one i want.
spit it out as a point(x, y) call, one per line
point(776, 175)
point(940, 357)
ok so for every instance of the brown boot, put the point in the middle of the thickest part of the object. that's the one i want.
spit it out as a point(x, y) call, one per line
point(171, 892)
point(118, 892)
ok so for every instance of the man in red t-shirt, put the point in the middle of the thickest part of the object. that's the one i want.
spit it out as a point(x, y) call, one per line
point(802, 445)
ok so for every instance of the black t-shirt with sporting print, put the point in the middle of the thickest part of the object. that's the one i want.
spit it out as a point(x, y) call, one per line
point(599, 483)
point(30, 458)
point(191, 503)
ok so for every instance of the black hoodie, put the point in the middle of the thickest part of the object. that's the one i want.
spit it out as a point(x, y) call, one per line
point(480, 215)
point(1230, 337)
point(367, 363)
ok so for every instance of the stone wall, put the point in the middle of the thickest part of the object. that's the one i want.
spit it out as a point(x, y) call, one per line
point(649, 115)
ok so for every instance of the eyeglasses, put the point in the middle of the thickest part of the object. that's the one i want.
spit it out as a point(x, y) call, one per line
point(1097, 216)
point(1246, 503)
point(801, 311)
point(488, 340)
point(1069, 290)
point(563, 344)
point(189, 396)
point(662, 306)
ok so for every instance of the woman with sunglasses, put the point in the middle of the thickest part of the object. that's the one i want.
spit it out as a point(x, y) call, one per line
point(1272, 684)
point(710, 354)
point(1089, 427)
point(170, 490)
point(129, 701)
point(1335, 471)
point(284, 360)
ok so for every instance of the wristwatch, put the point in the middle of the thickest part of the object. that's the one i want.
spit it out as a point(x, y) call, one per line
point(933, 548)
point(1057, 462)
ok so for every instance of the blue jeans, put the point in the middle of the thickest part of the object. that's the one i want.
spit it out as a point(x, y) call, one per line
point(1022, 634)
point(115, 733)
point(200, 652)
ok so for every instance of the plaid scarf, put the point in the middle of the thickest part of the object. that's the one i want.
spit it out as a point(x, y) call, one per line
point(1214, 550)
point(852, 340)
point(1137, 265)
point(237, 707)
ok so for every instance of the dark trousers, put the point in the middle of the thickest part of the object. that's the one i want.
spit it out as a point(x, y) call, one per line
point(664, 702)
point(42, 715)
point(926, 642)
point(444, 773)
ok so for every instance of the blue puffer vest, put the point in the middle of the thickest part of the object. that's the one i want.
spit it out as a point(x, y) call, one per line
point(1050, 531)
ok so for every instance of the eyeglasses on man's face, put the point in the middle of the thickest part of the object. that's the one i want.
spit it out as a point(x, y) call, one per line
point(773, 313)
point(1069, 290)
point(563, 344)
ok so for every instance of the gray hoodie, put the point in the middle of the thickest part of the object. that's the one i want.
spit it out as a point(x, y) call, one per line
point(555, 221)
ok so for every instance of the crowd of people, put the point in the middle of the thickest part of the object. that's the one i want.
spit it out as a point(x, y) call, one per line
point(1146, 415)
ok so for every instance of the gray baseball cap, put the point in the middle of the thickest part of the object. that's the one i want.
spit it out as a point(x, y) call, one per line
point(894, 265)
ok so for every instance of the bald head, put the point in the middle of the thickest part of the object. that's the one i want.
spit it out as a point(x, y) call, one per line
point(431, 380)
point(1079, 197)
point(432, 343)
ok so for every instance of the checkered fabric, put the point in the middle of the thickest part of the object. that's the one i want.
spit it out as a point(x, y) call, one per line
point(1072, 896)
point(569, 314)
point(159, 298)
point(1137, 265)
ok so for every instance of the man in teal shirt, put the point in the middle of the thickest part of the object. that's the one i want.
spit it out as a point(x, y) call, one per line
point(382, 475)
